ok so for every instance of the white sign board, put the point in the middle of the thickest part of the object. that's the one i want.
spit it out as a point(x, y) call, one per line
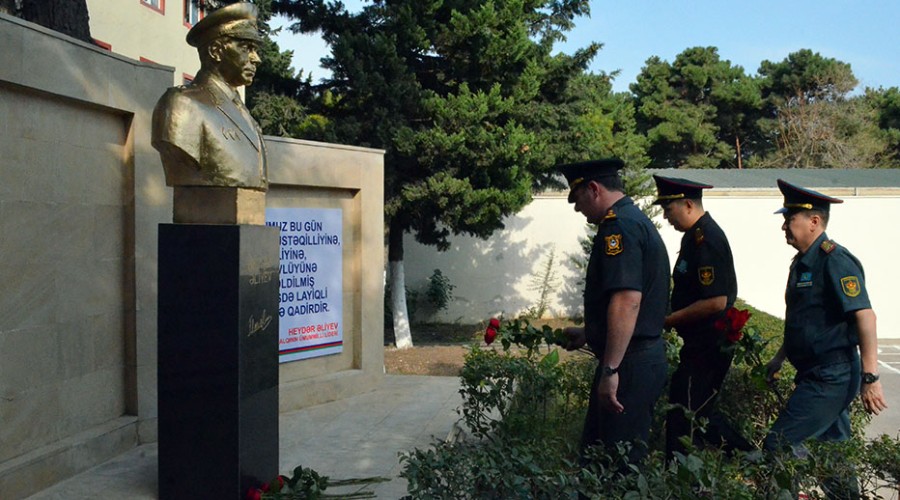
point(310, 279)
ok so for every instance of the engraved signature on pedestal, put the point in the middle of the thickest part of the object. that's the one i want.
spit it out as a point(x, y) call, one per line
point(259, 271)
point(261, 277)
point(259, 325)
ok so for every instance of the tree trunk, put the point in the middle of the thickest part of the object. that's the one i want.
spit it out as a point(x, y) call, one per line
point(69, 17)
point(402, 333)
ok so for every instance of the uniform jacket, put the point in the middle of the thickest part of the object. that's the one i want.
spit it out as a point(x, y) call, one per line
point(825, 285)
point(206, 137)
point(628, 254)
point(704, 269)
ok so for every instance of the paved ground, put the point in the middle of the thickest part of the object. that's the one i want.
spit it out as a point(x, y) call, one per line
point(363, 436)
point(360, 436)
point(889, 421)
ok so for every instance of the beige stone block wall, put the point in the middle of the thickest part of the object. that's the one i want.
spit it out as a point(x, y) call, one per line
point(305, 174)
point(77, 323)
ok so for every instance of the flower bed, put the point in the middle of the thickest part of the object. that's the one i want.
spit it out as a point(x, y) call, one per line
point(524, 409)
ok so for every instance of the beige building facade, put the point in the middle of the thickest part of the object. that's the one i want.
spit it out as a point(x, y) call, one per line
point(82, 193)
point(149, 31)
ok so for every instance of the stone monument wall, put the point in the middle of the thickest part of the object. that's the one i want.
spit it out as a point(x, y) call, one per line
point(305, 174)
point(82, 193)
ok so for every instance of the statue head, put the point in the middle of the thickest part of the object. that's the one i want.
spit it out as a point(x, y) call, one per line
point(228, 40)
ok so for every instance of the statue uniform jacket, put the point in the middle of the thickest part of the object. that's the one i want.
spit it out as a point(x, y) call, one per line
point(704, 269)
point(628, 254)
point(825, 285)
point(207, 137)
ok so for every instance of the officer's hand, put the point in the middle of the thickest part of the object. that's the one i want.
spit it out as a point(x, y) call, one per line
point(575, 338)
point(772, 369)
point(873, 397)
point(606, 393)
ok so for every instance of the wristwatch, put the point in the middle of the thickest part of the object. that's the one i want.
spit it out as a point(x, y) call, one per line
point(608, 370)
point(869, 378)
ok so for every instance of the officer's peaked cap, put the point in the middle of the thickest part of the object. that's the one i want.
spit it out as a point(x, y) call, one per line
point(673, 188)
point(798, 198)
point(237, 20)
point(579, 173)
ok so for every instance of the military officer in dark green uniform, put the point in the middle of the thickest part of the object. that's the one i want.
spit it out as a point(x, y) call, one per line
point(705, 286)
point(828, 315)
point(625, 296)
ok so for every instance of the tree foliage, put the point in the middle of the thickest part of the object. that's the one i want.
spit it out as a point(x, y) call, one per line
point(885, 103)
point(69, 17)
point(810, 120)
point(804, 77)
point(462, 95)
point(696, 111)
point(702, 112)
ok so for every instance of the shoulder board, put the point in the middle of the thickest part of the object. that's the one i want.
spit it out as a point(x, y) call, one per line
point(828, 246)
point(610, 214)
point(698, 236)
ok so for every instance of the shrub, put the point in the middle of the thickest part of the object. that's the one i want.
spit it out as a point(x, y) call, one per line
point(524, 409)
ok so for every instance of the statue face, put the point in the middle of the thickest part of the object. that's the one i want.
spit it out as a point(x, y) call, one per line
point(237, 61)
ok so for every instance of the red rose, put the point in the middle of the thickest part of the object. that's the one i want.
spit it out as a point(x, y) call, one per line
point(738, 318)
point(254, 494)
point(489, 335)
point(281, 482)
point(494, 323)
point(264, 488)
point(732, 325)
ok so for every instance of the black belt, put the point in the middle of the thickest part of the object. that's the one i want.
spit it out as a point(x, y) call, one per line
point(827, 358)
point(641, 343)
point(635, 345)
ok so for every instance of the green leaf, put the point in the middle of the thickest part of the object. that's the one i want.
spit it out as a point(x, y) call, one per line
point(550, 359)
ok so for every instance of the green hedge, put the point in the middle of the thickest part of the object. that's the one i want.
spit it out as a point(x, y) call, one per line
point(524, 410)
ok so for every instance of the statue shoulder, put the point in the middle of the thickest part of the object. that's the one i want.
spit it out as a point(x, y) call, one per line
point(185, 96)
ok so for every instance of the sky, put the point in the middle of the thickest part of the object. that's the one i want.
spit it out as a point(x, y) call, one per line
point(863, 33)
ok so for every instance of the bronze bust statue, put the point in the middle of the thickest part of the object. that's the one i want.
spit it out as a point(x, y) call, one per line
point(204, 133)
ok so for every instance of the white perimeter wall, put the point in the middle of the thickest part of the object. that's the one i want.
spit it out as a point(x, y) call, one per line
point(494, 276)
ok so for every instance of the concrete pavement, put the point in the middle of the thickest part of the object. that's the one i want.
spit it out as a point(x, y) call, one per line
point(361, 436)
point(889, 360)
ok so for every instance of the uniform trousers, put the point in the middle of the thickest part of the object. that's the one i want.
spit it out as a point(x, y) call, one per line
point(695, 386)
point(819, 409)
point(642, 377)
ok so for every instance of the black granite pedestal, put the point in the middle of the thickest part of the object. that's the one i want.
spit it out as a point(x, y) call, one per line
point(218, 360)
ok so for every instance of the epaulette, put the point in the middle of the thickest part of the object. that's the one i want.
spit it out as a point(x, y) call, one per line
point(698, 236)
point(828, 246)
point(610, 214)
